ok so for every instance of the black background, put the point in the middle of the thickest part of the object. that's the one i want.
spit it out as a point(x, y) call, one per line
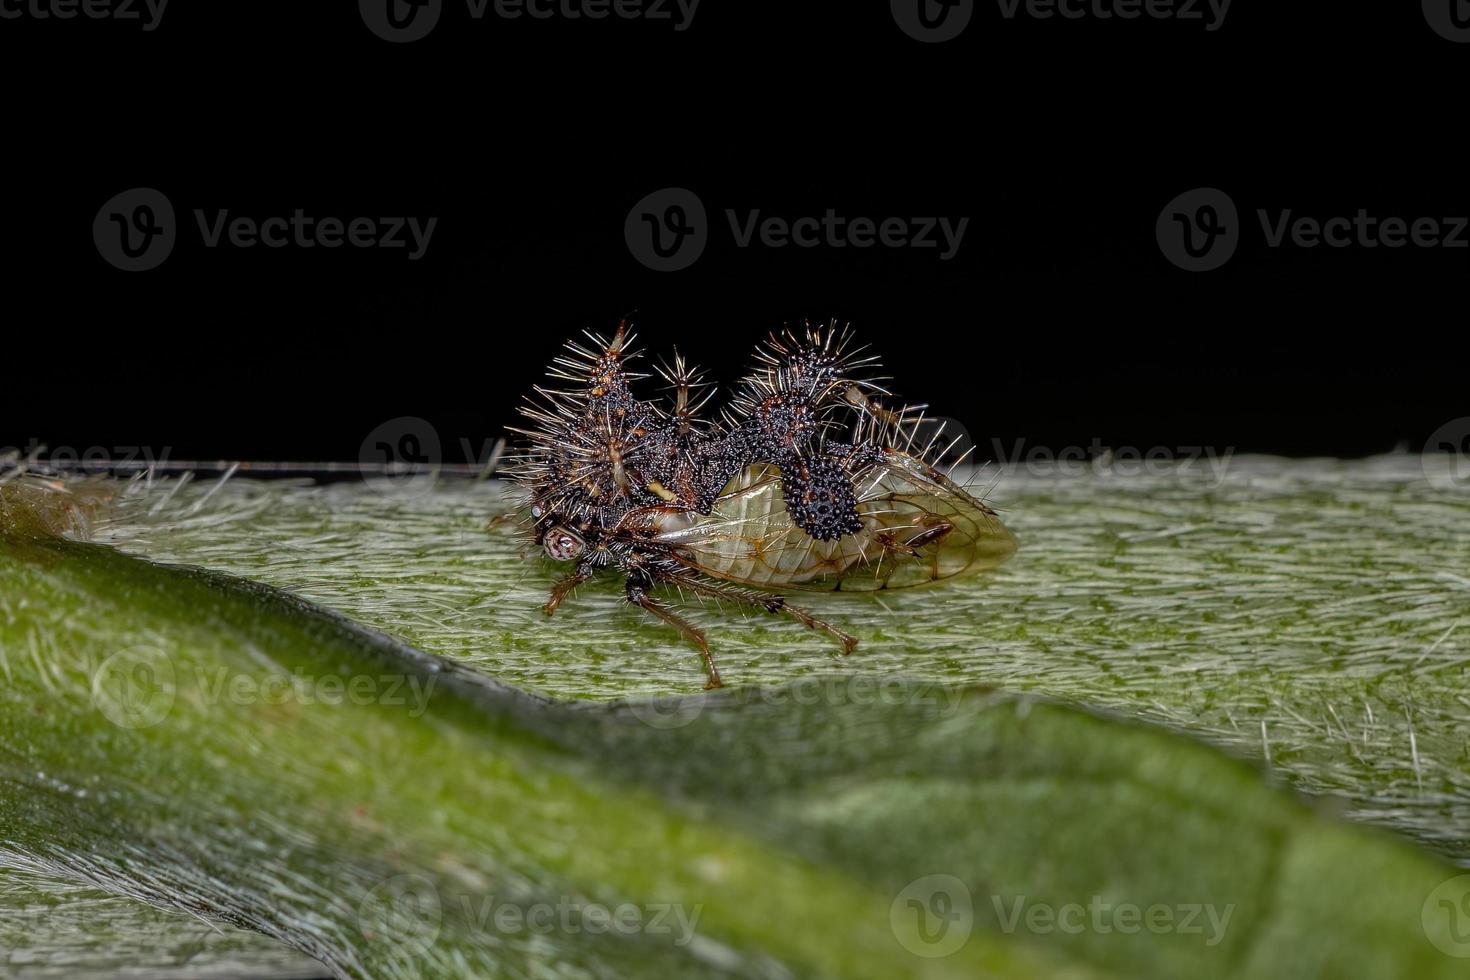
point(1058, 323)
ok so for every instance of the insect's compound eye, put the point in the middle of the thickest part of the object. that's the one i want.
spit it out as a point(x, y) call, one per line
point(561, 544)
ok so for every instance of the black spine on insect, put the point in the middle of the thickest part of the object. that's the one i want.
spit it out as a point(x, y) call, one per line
point(597, 453)
point(782, 414)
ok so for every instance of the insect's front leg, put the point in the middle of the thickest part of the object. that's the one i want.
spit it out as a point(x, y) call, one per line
point(636, 592)
point(566, 586)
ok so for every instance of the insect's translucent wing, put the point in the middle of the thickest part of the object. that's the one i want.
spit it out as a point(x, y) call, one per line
point(918, 527)
point(925, 526)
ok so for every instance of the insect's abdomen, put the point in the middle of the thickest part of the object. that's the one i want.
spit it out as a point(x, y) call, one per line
point(758, 543)
point(917, 527)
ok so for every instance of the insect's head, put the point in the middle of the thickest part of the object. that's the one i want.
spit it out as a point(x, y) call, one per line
point(559, 536)
point(562, 543)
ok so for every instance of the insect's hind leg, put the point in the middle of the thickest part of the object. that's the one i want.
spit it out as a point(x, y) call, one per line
point(636, 592)
point(848, 641)
point(771, 603)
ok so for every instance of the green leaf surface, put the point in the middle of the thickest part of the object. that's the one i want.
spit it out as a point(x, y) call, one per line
point(53, 929)
point(394, 813)
point(1310, 614)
